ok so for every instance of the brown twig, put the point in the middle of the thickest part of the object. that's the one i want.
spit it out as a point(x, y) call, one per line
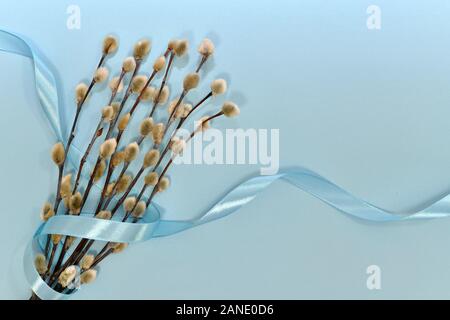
point(85, 244)
point(111, 196)
point(202, 61)
point(163, 82)
point(101, 257)
point(98, 132)
point(69, 143)
point(139, 98)
point(116, 88)
point(109, 132)
point(124, 100)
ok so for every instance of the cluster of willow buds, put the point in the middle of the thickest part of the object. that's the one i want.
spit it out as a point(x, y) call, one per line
point(67, 262)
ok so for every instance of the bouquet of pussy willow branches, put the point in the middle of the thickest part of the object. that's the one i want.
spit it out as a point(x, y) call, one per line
point(65, 259)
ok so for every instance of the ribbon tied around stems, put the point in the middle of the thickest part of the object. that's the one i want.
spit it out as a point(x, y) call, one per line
point(153, 225)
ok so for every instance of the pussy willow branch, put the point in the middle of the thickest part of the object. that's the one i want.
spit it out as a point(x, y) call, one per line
point(139, 98)
point(98, 132)
point(111, 127)
point(86, 194)
point(180, 124)
point(116, 88)
point(58, 188)
point(111, 168)
point(183, 95)
point(102, 255)
point(218, 114)
point(77, 114)
point(120, 133)
point(52, 256)
point(130, 187)
point(124, 100)
point(163, 82)
point(182, 120)
point(67, 147)
point(105, 186)
point(122, 172)
point(85, 244)
point(88, 243)
point(202, 61)
point(120, 201)
point(102, 204)
point(61, 256)
point(99, 258)
point(96, 135)
point(109, 132)
point(56, 272)
point(104, 252)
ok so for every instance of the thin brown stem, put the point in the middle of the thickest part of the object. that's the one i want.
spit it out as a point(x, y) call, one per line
point(105, 247)
point(84, 251)
point(83, 202)
point(90, 183)
point(180, 124)
point(163, 83)
point(155, 189)
point(57, 272)
point(209, 95)
point(105, 187)
point(150, 198)
point(130, 187)
point(57, 201)
point(73, 128)
point(218, 114)
point(99, 257)
point(52, 256)
point(85, 244)
point(62, 253)
point(82, 248)
point(138, 198)
point(102, 255)
point(202, 62)
point(183, 94)
point(98, 132)
point(34, 296)
point(139, 98)
point(114, 189)
point(109, 174)
point(124, 100)
point(102, 60)
point(140, 140)
point(58, 186)
point(116, 88)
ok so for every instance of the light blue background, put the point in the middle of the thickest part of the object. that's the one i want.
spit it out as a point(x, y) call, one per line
point(367, 109)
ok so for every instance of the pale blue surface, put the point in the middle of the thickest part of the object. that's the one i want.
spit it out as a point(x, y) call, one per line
point(367, 109)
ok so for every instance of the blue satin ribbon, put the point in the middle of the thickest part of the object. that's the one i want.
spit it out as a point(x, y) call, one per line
point(85, 226)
